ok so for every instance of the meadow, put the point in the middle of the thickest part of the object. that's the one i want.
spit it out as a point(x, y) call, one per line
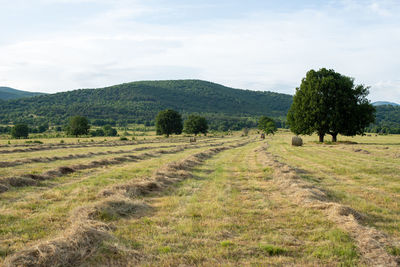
point(223, 200)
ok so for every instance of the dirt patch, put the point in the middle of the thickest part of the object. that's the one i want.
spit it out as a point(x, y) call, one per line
point(370, 242)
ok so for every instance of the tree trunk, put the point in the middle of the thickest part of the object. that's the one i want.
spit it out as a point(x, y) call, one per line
point(321, 137)
point(334, 137)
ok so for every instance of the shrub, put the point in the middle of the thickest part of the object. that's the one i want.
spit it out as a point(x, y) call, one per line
point(272, 250)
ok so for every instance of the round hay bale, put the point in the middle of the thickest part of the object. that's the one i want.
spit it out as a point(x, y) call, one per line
point(297, 141)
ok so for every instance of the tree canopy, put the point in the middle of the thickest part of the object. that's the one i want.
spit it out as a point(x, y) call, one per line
point(328, 102)
point(109, 131)
point(168, 122)
point(195, 124)
point(78, 125)
point(267, 125)
point(20, 131)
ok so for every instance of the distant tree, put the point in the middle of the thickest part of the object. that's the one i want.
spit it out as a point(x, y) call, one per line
point(20, 131)
point(109, 131)
point(42, 128)
point(267, 125)
point(329, 103)
point(195, 124)
point(168, 122)
point(97, 132)
point(78, 125)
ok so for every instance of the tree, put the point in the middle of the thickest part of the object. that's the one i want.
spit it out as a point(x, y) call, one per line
point(267, 125)
point(329, 103)
point(42, 128)
point(98, 132)
point(78, 125)
point(195, 124)
point(168, 122)
point(20, 131)
point(109, 131)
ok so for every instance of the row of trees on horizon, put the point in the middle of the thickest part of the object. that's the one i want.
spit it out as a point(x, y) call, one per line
point(326, 102)
point(167, 122)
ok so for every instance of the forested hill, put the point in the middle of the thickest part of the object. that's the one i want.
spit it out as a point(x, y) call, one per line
point(140, 101)
point(387, 119)
point(7, 93)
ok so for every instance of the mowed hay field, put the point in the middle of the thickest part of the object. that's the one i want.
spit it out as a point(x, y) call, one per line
point(232, 201)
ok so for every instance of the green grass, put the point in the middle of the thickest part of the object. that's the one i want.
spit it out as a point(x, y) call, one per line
point(229, 214)
point(33, 213)
point(369, 183)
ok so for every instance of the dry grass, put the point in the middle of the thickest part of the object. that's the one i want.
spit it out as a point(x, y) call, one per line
point(205, 204)
point(88, 231)
point(34, 213)
point(229, 212)
point(362, 174)
point(31, 178)
point(371, 243)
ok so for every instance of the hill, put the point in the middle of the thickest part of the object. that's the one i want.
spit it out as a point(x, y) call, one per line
point(387, 120)
point(7, 93)
point(139, 102)
point(383, 103)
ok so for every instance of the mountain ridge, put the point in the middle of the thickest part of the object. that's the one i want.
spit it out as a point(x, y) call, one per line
point(140, 101)
point(8, 93)
point(383, 103)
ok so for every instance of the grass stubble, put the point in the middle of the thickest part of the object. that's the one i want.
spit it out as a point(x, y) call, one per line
point(320, 204)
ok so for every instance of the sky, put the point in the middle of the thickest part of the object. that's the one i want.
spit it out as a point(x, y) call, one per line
point(59, 45)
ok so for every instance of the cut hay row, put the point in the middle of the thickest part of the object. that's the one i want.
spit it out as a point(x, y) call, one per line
point(85, 141)
point(371, 243)
point(34, 179)
point(7, 164)
point(89, 145)
point(63, 146)
point(42, 159)
point(88, 231)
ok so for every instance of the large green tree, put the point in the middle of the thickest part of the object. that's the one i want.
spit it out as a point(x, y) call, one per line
point(168, 122)
point(267, 125)
point(20, 131)
point(195, 124)
point(78, 125)
point(328, 102)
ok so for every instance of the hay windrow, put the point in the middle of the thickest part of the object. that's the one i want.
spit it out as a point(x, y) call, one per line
point(32, 179)
point(88, 229)
point(370, 242)
point(33, 148)
point(5, 164)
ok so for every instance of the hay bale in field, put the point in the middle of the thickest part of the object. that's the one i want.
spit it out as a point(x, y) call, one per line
point(297, 141)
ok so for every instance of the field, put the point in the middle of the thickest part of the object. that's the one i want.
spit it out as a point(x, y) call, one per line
point(231, 201)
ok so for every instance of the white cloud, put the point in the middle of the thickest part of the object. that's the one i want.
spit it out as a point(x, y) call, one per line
point(263, 50)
